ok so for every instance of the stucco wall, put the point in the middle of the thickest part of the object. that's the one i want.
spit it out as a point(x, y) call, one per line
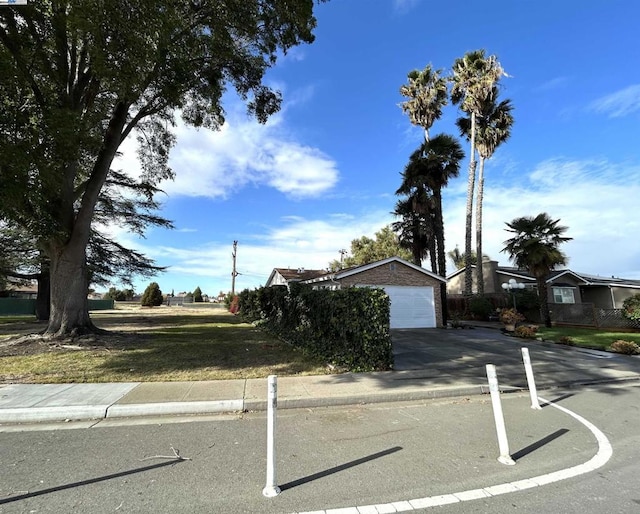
point(397, 274)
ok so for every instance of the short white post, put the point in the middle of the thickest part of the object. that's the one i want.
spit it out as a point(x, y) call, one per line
point(533, 392)
point(503, 444)
point(271, 489)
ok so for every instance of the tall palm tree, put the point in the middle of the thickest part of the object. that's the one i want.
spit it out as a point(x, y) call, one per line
point(493, 127)
point(534, 247)
point(474, 76)
point(426, 91)
point(429, 169)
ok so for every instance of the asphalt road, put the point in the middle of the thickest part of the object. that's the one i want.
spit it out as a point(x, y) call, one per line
point(331, 458)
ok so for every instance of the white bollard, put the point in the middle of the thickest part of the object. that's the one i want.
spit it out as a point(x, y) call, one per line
point(533, 392)
point(271, 489)
point(503, 444)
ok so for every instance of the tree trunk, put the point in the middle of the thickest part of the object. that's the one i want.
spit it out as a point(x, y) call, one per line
point(442, 256)
point(69, 285)
point(545, 316)
point(69, 274)
point(43, 299)
point(480, 192)
point(433, 254)
point(468, 277)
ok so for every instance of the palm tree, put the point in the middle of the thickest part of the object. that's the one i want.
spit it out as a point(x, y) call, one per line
point(493, 127)
point(415, 229)
point(457, 258)
point(427, 94)
point(534, 247)
point(429, 169)
point(474, 76)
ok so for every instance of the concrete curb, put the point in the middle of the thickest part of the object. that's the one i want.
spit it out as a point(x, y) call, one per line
point(49, 414)
point(175, 408)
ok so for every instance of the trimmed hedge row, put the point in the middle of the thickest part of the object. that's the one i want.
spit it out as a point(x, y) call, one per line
point(347, 328)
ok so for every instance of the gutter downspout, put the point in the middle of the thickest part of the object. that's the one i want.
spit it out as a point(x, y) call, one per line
point(613, 298)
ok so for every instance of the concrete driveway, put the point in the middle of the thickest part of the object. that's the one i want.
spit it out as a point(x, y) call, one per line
point(452, 354)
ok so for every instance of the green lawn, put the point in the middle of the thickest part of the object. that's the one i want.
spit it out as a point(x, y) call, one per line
point(157, 345)
point(597, 339)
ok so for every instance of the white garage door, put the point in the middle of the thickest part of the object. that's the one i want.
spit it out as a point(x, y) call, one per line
point(411, 307)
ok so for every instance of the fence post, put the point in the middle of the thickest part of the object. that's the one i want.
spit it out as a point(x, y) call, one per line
point(271, 489)
point(498, 416)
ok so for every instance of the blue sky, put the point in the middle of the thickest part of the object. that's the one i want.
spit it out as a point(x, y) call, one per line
point(324, 170)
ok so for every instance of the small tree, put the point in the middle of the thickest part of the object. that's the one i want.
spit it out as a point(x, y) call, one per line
point(197, 295)
point(152, 296)
point(631, 308)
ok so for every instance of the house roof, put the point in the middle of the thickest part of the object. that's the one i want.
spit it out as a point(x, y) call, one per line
point(586, 279)
point(365, 267)
point(296, 275)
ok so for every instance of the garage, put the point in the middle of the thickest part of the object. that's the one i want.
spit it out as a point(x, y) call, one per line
point(411, 306)
point(414, 292)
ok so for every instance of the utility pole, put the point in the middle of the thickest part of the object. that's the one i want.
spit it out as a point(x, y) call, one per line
point(342, 253)
point(234, 273)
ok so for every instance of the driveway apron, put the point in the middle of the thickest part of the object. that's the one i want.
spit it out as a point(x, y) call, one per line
point(464, 353)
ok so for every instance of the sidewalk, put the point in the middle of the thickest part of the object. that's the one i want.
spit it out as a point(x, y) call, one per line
point(29, 403)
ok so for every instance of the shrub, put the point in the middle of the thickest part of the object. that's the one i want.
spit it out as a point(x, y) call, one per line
point(526, 331)
point(626, 347)
point(152, 296)
point(527, 299)
point(233, 306)
point(566, 340)
point(631, 307)
point(480, 307)
point(510, 316)
point(347, 328)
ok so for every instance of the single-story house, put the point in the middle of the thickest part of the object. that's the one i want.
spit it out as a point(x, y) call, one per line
point(284, 276)
point(20, 289)
point(415, 293)
point(564, 286)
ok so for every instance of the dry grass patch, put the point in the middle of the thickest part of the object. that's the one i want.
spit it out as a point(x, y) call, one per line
point(160, 344)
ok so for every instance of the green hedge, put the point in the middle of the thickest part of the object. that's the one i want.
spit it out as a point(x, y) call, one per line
point(348, 327)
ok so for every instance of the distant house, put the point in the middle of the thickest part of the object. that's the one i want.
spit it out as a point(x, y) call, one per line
point(564, 286)
point(414, 292)
point(284, 276)
point(20, 289)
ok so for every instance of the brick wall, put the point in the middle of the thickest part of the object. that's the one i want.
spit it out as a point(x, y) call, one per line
point(397, 274)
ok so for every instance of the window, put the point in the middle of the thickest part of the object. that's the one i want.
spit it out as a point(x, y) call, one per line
point(563, 295)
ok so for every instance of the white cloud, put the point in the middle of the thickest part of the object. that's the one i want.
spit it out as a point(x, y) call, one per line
point(295, 242)
point(621, 103)
point(595, 199)
point(553, 84)
point(404, 6)
point(243, 152)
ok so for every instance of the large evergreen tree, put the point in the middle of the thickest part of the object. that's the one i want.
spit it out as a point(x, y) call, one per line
point(365, 250)
point(78, 77)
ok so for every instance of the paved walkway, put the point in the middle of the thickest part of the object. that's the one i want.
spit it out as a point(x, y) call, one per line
point(430, 363)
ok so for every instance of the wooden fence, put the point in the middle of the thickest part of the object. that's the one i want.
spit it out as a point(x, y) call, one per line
point(588, 314)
